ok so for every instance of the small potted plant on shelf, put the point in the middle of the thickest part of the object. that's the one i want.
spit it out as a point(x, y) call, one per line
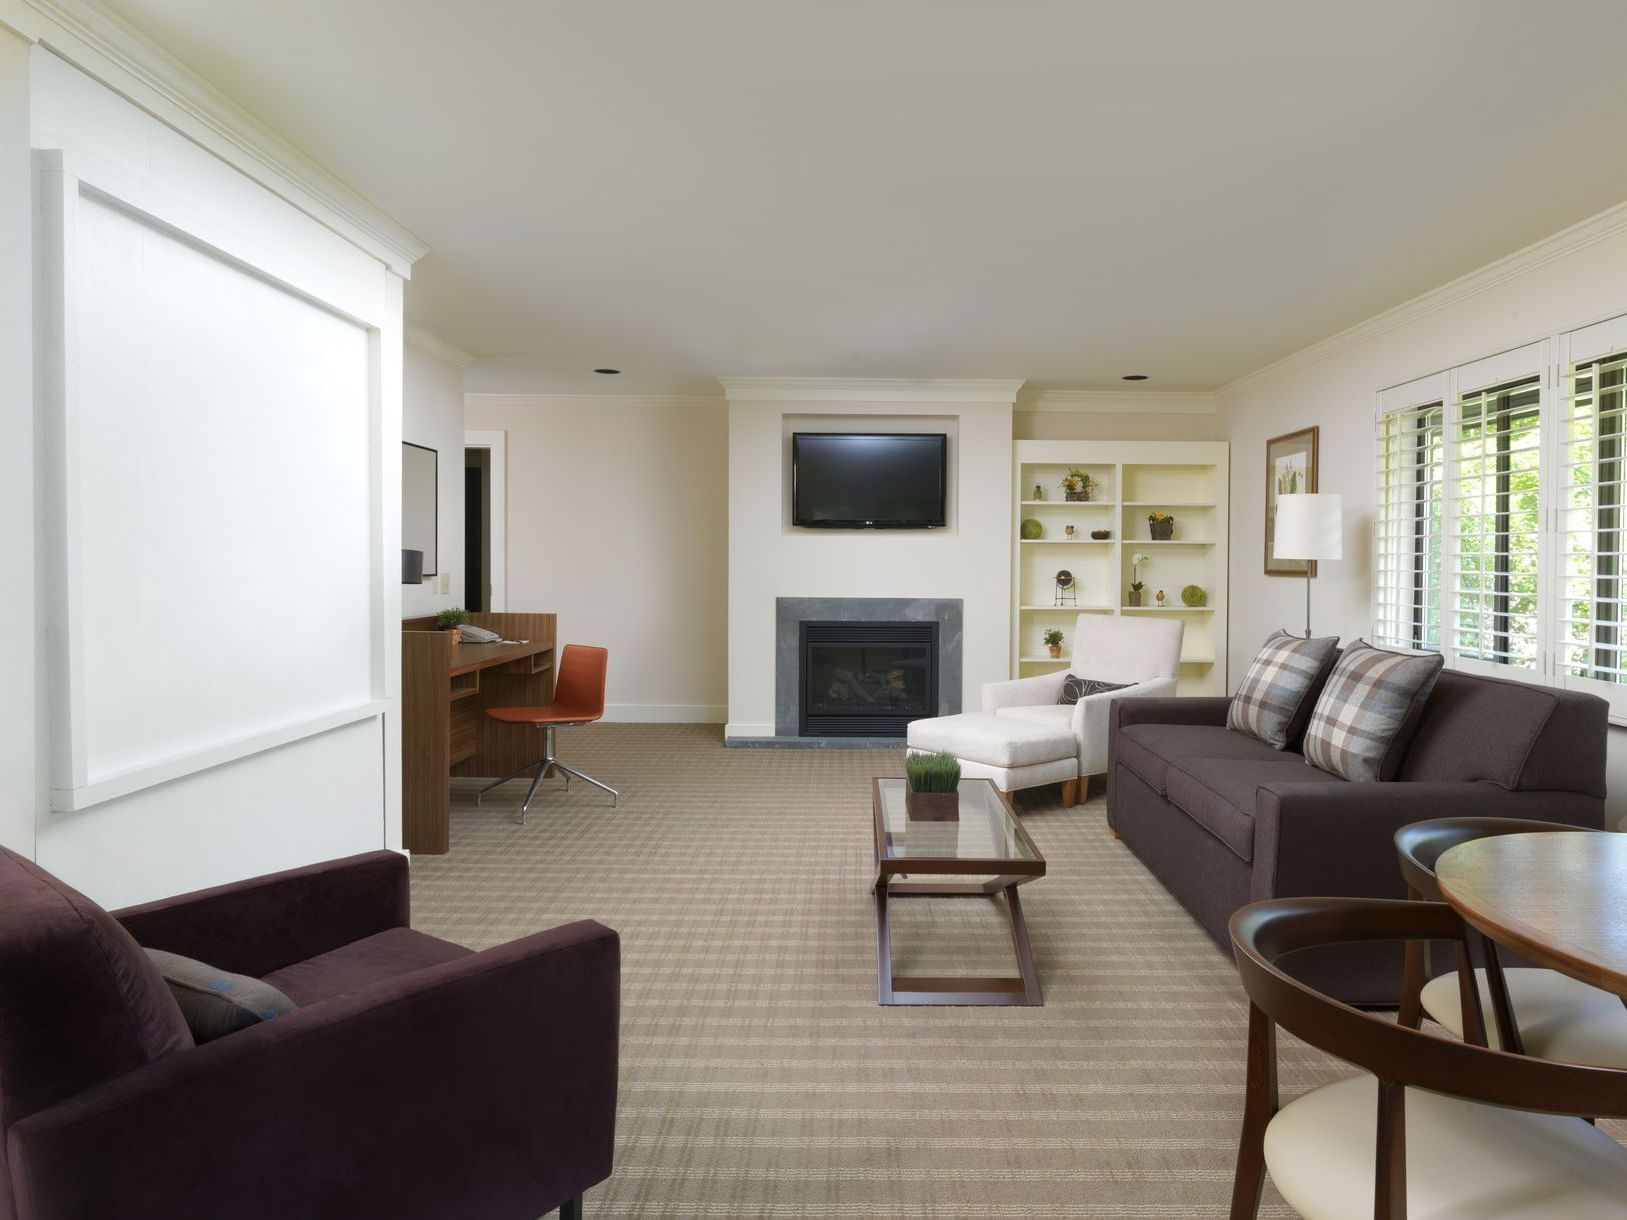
point(451, 618)
point(933, 793)
point(1053, 641)
point(1160, 526)
point(1133, 597)
point(1077, 485)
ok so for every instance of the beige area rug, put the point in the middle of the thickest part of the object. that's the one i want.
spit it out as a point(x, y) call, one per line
point(758, 1075)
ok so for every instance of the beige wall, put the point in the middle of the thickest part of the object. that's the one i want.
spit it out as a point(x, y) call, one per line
point(432, 415)
point(618, 522)
point(1113, 426)
point(1337, 394)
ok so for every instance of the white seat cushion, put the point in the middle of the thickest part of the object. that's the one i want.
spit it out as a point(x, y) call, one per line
point(1052, 715)
point(1464, 1161)
point(995, 740)
point(1559, 1017)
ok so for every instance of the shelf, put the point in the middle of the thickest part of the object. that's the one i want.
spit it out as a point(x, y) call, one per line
point(1070, 609)
point(1069, 503)
point(1169, 504)
point(1164, 542)
point(1044, 660)
point(1066, 541)
point(1167, 609)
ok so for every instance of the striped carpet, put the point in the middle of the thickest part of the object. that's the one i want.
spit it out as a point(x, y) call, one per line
point(758, 1075)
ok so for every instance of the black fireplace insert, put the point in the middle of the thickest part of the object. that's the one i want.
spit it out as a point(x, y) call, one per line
point(867, 679)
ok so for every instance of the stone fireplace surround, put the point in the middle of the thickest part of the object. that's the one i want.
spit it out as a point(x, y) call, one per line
point(789, 615)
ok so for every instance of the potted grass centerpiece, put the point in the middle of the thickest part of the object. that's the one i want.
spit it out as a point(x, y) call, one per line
point(933, 794)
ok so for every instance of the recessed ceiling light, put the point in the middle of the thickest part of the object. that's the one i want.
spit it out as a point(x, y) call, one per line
point(1134, 377)
point(607, 372)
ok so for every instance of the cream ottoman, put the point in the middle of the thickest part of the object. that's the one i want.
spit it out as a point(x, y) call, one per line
point(1012, 753)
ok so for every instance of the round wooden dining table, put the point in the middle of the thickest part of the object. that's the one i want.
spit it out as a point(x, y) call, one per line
point(1560, 897)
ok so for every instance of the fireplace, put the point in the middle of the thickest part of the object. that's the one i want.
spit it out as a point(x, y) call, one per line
point(867, 679)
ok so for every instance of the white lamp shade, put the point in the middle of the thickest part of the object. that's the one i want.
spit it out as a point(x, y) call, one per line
point(1309, 527)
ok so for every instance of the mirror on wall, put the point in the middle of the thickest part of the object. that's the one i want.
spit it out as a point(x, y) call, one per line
point(419, 491)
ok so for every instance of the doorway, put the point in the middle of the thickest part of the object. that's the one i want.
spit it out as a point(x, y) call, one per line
point(484, 521)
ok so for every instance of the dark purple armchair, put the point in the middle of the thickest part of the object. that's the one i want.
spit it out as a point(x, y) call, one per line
point(416, 1079)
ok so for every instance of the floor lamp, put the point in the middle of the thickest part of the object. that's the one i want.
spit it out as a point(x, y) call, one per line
point(1309, 527)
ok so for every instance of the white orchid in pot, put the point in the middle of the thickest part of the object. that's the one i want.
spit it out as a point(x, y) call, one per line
point(1136, 560)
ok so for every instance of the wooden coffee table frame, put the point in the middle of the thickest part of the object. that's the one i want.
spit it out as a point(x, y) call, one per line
point(1001, 879)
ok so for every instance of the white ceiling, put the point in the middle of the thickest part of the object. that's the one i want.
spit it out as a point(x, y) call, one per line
point(1052, 189)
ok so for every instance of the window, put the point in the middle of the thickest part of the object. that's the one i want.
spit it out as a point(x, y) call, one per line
point(1590, 528)
point(1501, 532)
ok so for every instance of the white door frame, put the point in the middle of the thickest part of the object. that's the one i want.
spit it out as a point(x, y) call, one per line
point(497, 560)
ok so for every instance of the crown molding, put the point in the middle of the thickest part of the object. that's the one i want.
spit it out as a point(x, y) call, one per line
point(112, 51)
point(436, 346)
point(592, 400)
point(1139, 402)
point(1601, 227)
point(869, 389)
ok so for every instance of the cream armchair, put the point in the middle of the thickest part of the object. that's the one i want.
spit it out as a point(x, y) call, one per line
point(1142, 651)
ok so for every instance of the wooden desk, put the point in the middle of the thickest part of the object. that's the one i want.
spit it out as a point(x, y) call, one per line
point(445, 688)
point(1560, 897)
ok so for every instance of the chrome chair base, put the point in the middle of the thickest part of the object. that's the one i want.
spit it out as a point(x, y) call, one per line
point(548, 762)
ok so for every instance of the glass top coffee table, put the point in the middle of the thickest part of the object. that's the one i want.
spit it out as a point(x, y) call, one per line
point(980, 841)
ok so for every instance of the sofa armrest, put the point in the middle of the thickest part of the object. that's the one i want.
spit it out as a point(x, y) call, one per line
point(484, 1086)
point(1337, 839)
point(1092, 717)
point(266, 923)
point(1195, 709)
point(1023, 692)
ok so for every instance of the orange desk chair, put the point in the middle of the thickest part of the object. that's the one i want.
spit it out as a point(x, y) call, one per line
point(578, 700)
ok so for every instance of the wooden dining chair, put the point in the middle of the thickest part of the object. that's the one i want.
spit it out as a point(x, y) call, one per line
point(1535, 1011)
point(578, 700)
point(1442, 1127)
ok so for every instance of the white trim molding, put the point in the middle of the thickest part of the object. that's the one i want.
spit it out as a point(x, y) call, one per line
point(438, 347)
point(115, 53)
point(1134, 402)
point(1601, 227)
point(633, 401)
point(870, 389)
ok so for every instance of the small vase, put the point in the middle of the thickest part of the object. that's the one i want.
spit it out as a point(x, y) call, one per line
point(932, 806)
point(1076, 497)
point(1134, 596)
point(1161, 531)
point(1055, 650)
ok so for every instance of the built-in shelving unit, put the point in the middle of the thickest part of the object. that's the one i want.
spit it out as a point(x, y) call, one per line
point(1187, 479)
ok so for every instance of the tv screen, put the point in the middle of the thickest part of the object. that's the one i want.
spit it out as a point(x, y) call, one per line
point(851, 480)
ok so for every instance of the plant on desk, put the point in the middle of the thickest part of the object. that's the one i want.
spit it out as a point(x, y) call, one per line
point(451, 618)
point(934, 787)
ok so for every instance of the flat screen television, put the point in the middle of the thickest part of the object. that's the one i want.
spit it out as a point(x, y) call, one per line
point(868, 480)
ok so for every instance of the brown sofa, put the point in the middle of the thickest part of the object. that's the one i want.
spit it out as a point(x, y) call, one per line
point(1223, 820)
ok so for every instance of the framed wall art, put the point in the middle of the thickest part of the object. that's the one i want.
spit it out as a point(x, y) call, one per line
point(1290, 468)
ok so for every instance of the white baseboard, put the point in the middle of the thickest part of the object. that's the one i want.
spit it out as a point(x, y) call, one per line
point(665, 713)
point(733, 729)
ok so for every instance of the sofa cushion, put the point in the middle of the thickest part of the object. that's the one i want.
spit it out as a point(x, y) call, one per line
point(80, 1004)
point(362, 963)
point(1075, 688)
point(997, 741)
point(1220, 794)
point(1148, 749)
point(1277, 694)
point(1450, 744)
point(1052, 715)
point(1372, 703)
point(217, 1002)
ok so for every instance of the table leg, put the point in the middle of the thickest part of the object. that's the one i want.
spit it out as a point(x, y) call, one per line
point(884, 946)
point(1019, 941)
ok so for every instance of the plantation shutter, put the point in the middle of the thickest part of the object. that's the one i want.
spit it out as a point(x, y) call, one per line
point(1590, 620)
point(1409, 525)
point(1495, 538)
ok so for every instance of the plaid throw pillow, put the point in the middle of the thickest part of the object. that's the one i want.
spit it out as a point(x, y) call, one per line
point(1280, 688)
point(1368, 710)
point(1075, 689)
